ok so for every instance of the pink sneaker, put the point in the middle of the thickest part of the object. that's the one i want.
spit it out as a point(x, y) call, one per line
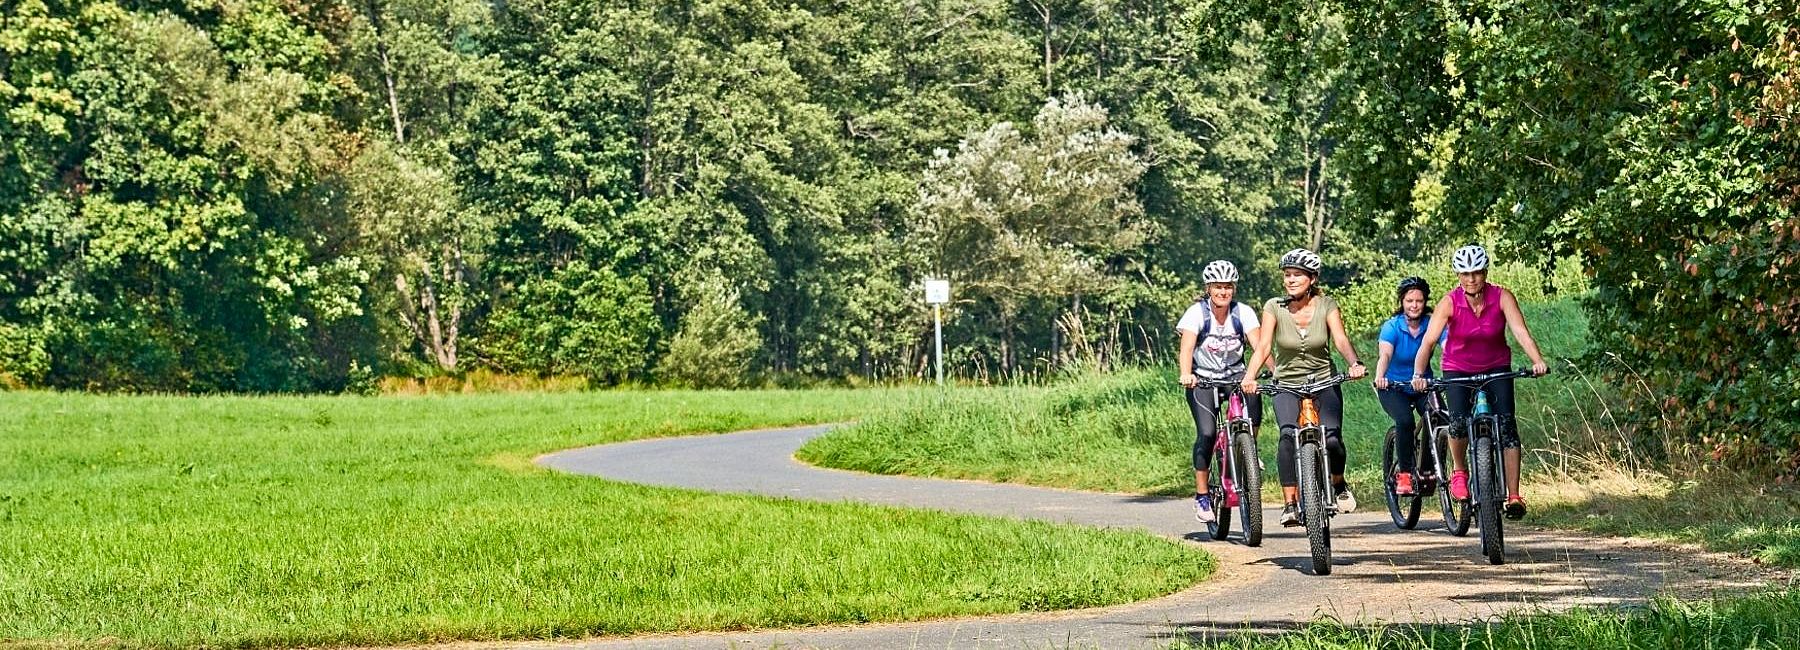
point(1403, 484)
point(1459, 484)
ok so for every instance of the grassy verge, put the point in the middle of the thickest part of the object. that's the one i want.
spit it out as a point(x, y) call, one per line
point(1130, 432)
point(241, 522)
point(1769, 621)
point(1717, 510)
point(1125, 431)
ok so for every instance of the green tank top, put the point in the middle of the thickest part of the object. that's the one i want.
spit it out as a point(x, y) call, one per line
point(1302, 357)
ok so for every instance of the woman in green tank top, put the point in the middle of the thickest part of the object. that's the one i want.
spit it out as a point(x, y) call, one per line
point(1300, 329)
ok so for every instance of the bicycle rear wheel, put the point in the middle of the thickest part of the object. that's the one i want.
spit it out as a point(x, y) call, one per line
point(1249, 478)
point(1220, 527)
point(1404, 509)
point(1457, 514)
point(1312, 507)
point(1487, 495)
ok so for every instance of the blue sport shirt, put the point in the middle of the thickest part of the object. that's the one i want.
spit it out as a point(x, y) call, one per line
point(1406, 347)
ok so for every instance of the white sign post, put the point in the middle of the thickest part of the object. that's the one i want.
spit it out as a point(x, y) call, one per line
point(937, 292)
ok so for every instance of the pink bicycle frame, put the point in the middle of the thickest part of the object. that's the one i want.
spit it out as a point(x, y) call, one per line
point(1233, 412)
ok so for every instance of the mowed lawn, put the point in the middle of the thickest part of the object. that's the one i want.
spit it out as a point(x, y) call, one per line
point(284, 521)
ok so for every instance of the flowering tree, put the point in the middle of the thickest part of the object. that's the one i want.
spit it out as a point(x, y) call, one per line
point(1011, 217)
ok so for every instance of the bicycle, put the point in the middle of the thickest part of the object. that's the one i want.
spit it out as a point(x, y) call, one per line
point(1431, 447)
point(1240, 467)
point(1485, 460)
point(1316, 505)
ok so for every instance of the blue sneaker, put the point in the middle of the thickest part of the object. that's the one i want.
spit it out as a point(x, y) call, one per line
point(1203, 509)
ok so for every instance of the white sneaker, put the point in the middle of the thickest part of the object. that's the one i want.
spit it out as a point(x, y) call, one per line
point(1203, 509)
point(1346, 502)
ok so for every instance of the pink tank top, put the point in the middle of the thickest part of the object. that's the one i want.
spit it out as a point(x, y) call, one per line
point(1477, 343)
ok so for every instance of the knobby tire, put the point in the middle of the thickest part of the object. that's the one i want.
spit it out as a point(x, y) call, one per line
point(1493, 541)
point(1312, 507)
point(1249, 475)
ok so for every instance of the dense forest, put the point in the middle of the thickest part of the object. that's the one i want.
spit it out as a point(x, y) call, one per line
point(298, 195)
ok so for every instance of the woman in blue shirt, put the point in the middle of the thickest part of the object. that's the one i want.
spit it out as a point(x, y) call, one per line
point(1400, 339)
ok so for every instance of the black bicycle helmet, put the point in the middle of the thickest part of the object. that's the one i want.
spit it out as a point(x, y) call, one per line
point(1411, 283)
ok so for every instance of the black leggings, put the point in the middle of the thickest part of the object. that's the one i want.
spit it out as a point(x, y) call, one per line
point(1204, 402)
point(1331, 418)
point(1402, 406)
point(1461, 404)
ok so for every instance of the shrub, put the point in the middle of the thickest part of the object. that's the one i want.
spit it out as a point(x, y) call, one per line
point(22, 355)
point(1369, 302)
point(580, 320)
point(717, 341)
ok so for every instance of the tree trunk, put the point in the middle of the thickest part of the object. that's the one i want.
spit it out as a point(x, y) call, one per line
point(421, 316)
point(387, 69)
point(1315, 208)
point(1006, 344)
point(1045, 14)
point(647, 187)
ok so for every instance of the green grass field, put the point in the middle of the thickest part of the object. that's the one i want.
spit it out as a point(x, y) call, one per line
point(1130, 432)
point(288, 521)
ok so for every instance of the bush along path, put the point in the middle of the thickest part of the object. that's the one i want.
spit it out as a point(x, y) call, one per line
point(1380, 574)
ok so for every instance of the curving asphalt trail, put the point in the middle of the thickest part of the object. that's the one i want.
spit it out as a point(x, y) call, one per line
point(1379, 573)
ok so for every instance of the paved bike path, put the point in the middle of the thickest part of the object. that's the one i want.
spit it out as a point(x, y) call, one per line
point(1379, 573)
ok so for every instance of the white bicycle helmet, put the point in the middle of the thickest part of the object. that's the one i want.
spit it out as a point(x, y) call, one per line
point(1219, 271)
point(1302, 259)
point(1469, 259)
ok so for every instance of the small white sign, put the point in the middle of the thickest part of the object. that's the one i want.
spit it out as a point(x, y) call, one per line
point(937, 292)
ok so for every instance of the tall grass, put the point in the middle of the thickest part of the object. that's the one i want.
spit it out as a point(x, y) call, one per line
point(290, 521)
point(1587, 466)
point(1123, 431)
point(1768, 621)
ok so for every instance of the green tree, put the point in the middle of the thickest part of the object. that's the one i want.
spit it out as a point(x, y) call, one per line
point(717, 342)
point(579, 321)
point(1647, 137)
point(1011, 218)
point(426, 74)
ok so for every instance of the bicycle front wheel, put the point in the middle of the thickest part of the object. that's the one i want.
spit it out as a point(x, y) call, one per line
point(1249, 478)
point(1312, 507)
point(1487, 494)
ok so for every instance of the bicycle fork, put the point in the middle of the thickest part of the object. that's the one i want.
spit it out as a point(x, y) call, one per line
point(1310, 431)
point(1482, 432)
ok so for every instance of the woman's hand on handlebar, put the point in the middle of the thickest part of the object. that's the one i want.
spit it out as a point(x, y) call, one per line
point(1381, 383)
point(1540, 368)
point(1248, 385)
point(1189, 380)
point(1418, 383)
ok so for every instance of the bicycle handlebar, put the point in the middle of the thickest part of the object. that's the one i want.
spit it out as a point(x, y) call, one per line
point(1481, 379)
point(1213, 383)
point(1202, 382)
point(1305, 390)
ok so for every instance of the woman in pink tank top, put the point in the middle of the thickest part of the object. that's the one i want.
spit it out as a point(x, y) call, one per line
point(1477, 316)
